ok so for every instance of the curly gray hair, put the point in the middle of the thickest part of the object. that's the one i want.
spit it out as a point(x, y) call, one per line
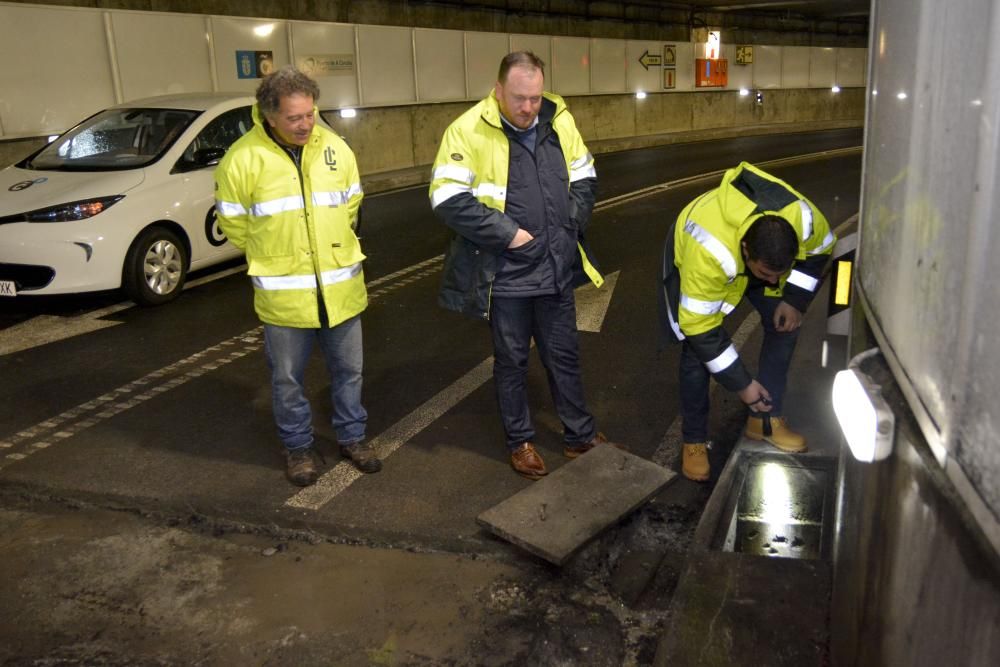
point(282, 83)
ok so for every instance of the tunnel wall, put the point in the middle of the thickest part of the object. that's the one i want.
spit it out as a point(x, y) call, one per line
point(388, 136)
point(387, 139)
point(917, 564)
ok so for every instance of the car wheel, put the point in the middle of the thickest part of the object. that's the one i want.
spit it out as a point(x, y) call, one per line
point(155, 267)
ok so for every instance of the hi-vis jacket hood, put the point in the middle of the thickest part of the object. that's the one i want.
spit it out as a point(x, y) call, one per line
point(296, 225)
point(469, 192)
point(705, 253)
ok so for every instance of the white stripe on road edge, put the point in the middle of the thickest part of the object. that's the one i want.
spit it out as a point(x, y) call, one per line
point(669, 449)
point(344, 474)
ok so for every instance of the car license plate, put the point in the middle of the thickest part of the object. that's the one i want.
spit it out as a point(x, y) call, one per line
point(7, 288)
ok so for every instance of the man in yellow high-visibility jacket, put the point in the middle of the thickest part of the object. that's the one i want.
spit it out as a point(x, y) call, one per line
point(288, 193)
point(515, 182)
point(753, 235)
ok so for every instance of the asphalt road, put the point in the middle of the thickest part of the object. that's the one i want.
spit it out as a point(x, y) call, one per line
point(168, 409)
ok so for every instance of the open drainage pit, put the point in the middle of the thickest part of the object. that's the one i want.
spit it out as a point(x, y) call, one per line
point(778, 507)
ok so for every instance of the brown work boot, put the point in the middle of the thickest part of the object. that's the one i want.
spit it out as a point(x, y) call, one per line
point(695, 466)
point(363, 456)
point(527, 463)
point(781, 436)
point(301, 466)
point(573, 451)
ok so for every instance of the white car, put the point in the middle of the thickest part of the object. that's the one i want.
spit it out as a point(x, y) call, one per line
point(124, 199)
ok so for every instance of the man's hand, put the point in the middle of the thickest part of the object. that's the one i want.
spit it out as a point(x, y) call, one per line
point(756, 397)
point(520, 239)
point(787, 317)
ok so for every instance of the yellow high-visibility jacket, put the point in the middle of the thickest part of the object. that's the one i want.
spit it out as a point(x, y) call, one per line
point(704, 272)
point(296, 225)
point(468, 191)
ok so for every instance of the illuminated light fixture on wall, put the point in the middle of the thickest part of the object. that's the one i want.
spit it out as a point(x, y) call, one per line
point(835, 89)
point(744, 92)
point(865, 418)
point(875, 93)
point(264, 30)
point(348, 113)
point(901, 95)
point(641, 95)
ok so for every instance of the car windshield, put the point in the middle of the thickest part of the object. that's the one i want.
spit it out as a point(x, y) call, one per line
point(115, 139)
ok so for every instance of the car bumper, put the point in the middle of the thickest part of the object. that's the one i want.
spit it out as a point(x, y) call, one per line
point(41, 260)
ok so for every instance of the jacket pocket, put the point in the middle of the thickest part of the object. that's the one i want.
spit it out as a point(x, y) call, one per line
point(274, 265)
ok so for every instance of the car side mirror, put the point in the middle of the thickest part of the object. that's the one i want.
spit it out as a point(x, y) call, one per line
point(207, 157)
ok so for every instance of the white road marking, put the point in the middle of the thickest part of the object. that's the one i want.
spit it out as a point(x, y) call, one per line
point(592, 303)
point(344, 474)
point(592, 306)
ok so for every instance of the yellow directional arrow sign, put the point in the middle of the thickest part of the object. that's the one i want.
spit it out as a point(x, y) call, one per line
point(647, 59)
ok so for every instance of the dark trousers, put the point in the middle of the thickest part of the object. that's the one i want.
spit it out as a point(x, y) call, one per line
point(772, 371)
point(551, 321)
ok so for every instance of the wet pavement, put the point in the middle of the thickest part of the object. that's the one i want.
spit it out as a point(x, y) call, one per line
point(146, 519)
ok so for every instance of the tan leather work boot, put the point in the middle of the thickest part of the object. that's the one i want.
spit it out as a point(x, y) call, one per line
point(695, 466)
point(781, 436)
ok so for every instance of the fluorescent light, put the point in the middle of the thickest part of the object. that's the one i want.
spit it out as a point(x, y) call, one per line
point(865, 418)
point(641, 95)
point(744, 92)
point(264, 30)
point(348, 113)
point(835, 88)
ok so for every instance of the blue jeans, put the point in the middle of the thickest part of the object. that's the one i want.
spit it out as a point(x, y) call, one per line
point(772, 371)
point(551, 320)
point(288, 350)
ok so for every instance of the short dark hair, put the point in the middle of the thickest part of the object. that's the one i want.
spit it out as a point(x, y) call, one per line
point(282, 83)
point(519, 59)
point(772, 240)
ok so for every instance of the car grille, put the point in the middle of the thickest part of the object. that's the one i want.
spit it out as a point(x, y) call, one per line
point(26, 276)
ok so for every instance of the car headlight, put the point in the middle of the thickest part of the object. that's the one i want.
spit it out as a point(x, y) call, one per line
point(76, 210)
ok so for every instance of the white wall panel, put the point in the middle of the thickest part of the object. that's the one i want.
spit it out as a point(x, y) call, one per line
point(851, 67)
point(571, 65)
point(46, 86)
point(440, 65)
point(325, 51)
point(740, 76)
point(385, 65)
point(540, 45)
point(766, 66)
point(161, 53)
point(483, 52)
point(822, 67)
point(607, 66)
point(237, 34)
point(638, 77)
point(794, 66)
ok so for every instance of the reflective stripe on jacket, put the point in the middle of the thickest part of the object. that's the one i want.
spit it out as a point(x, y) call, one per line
point(468, 191)
point(295, 225)
point(704, 274)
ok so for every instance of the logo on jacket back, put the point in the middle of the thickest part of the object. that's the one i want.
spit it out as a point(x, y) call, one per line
point(330, 157)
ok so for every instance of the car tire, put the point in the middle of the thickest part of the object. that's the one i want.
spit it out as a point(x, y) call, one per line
point(155, 267)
